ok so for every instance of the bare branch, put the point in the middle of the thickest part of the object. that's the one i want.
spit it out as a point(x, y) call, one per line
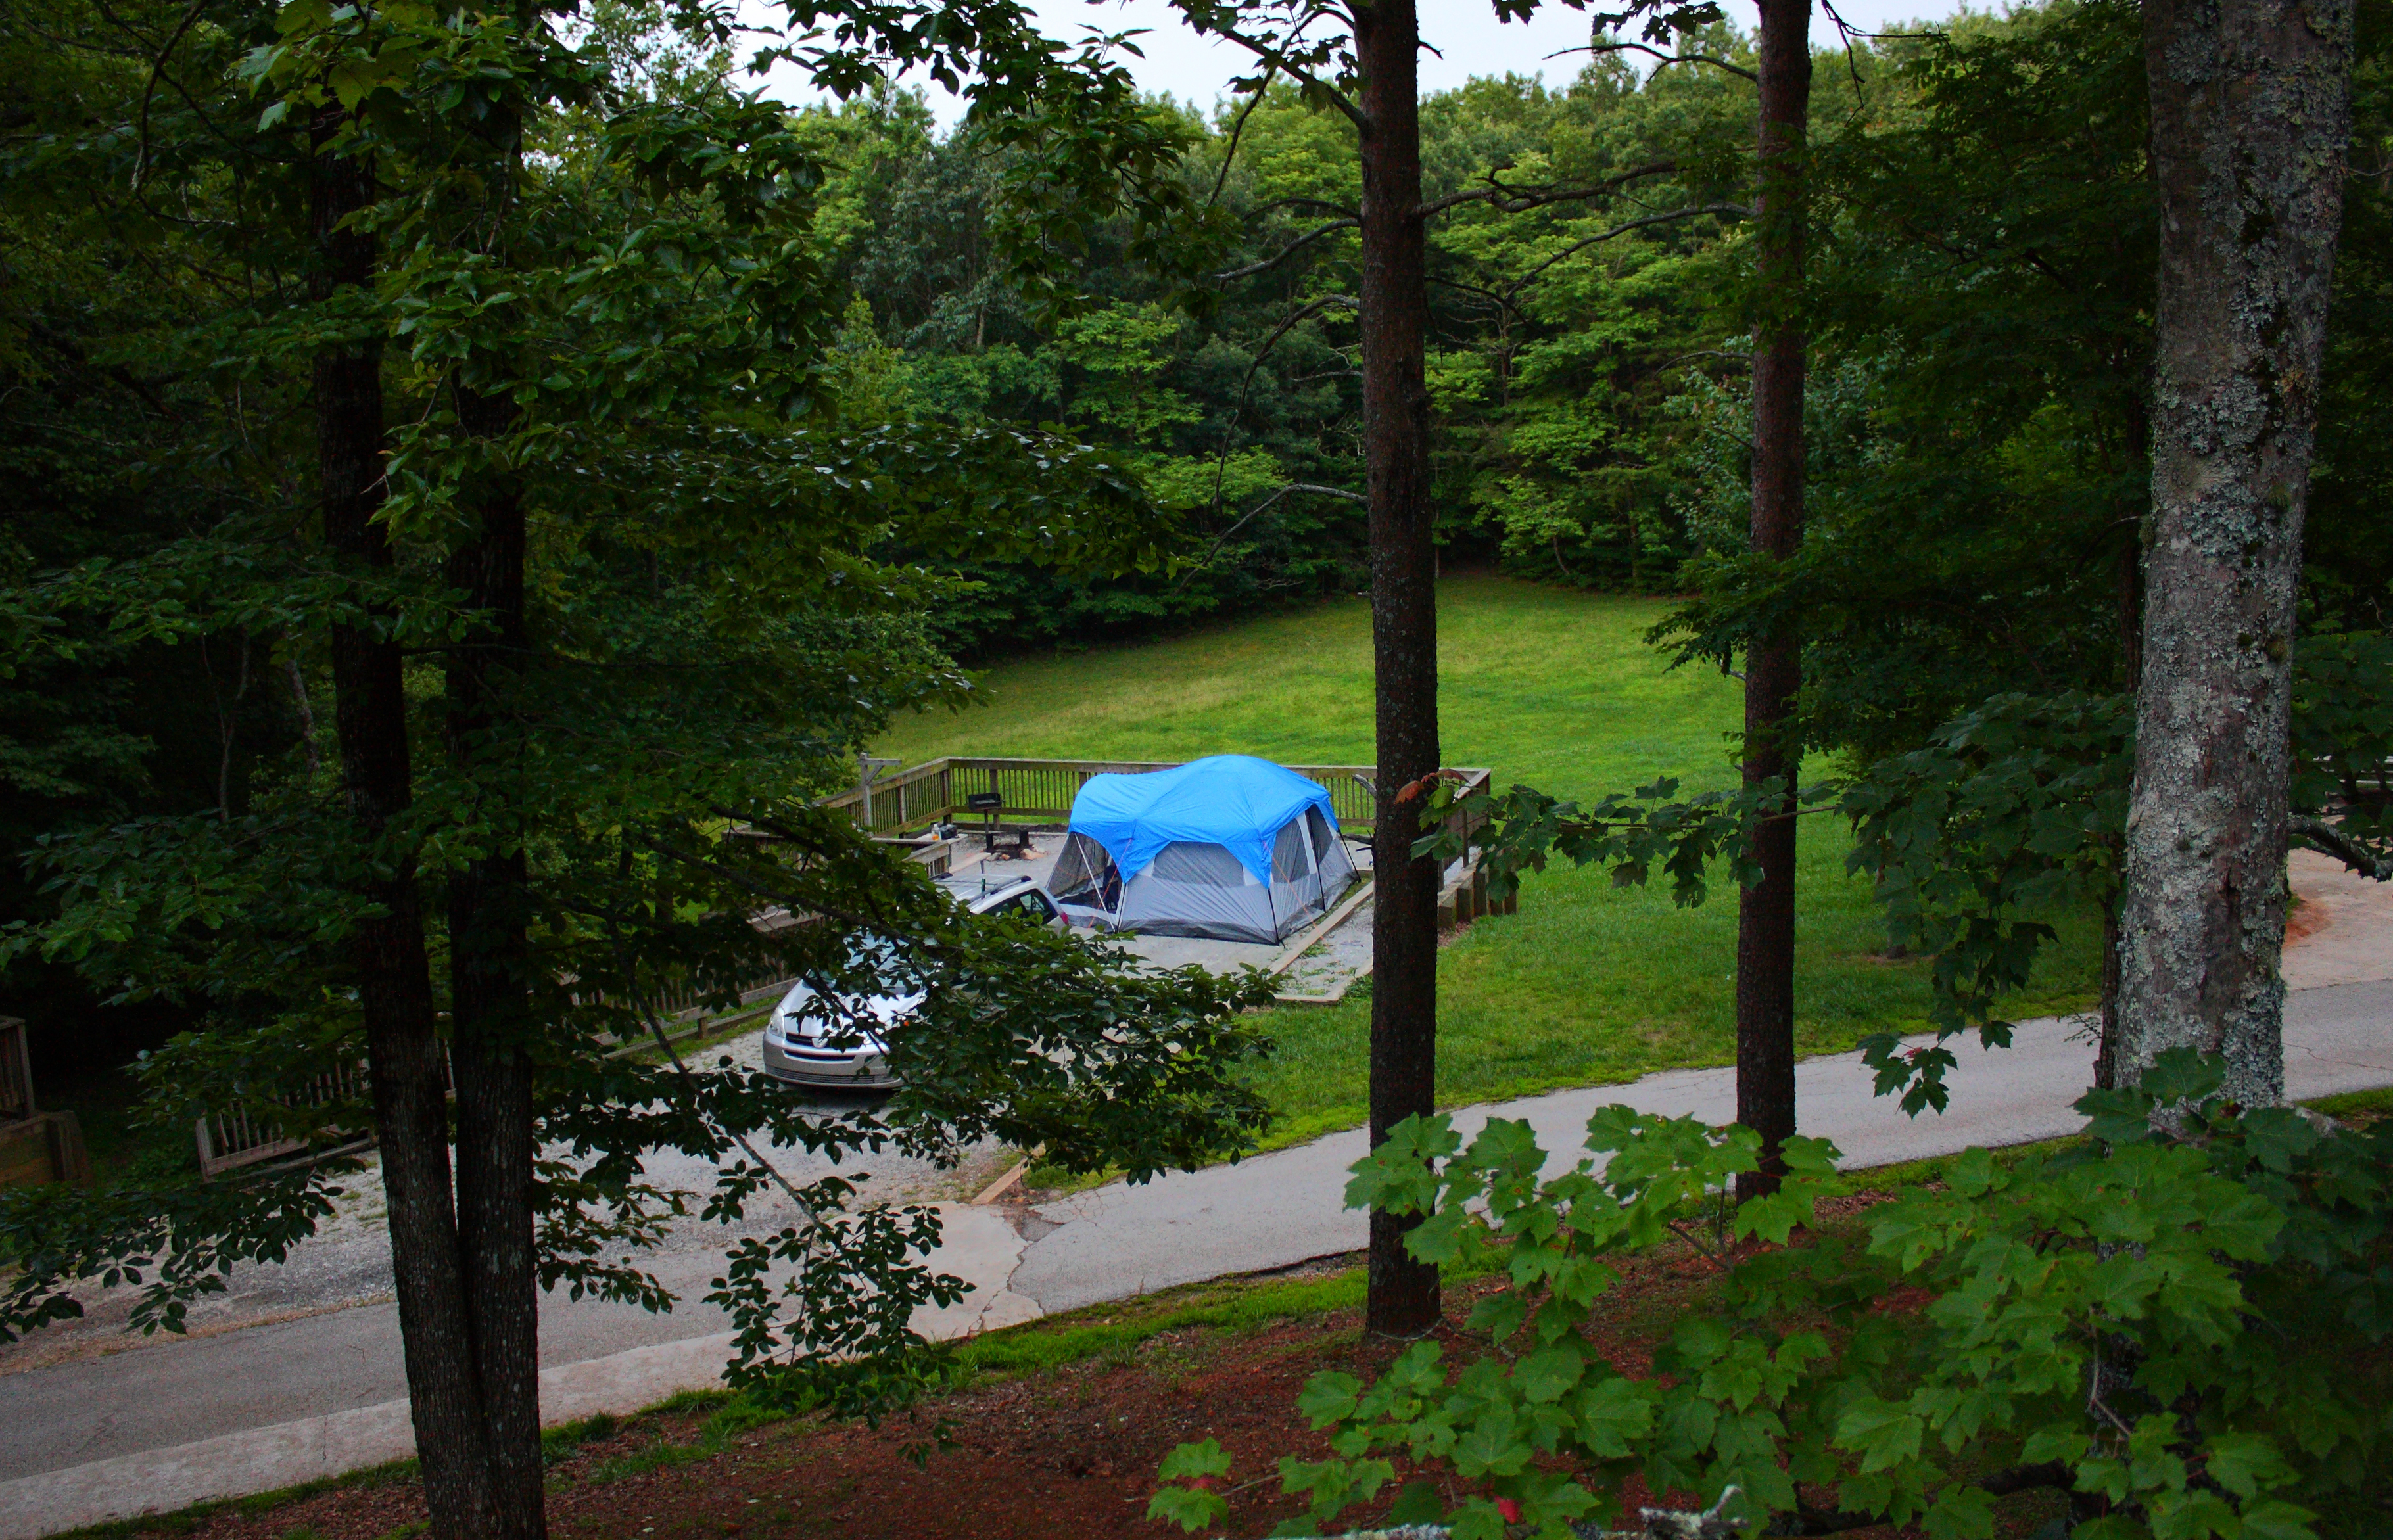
point(1229, 151)
point(1846, 28)
point(1619, 48)
point(1514, 200)
point(1739, 210)
point(1277, 58)
point(2319, 835)
point(150, 88)
point(1219, 540)
point(1474, 289)
point(1221, 461)
point(1318, 491)
point(1251, 268)
point(1323, 204)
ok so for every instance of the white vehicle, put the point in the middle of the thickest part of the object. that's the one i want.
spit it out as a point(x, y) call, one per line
point(1021, 895)
point(809, 1043)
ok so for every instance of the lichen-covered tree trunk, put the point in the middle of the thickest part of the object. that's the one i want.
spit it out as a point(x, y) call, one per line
point(2250, 114)
point(1765, 913)
point(1394, 314)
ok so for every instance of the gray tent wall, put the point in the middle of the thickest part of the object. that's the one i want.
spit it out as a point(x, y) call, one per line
point(1202, 890)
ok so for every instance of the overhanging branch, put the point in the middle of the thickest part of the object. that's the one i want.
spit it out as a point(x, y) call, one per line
point(2319, 835)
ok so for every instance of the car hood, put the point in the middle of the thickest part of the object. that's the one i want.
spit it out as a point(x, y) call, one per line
point(875, 1015)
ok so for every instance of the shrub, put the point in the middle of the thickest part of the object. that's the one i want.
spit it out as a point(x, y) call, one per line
point(2168, 1321)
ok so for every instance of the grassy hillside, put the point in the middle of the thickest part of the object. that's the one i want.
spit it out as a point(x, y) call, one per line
point(1585, 984)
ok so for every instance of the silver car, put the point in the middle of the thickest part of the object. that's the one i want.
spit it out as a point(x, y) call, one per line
point(812, 1046)
point(839, 1041)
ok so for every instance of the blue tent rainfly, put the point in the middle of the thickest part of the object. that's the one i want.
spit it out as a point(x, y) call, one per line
point(1233, 801)
point(1231, 846)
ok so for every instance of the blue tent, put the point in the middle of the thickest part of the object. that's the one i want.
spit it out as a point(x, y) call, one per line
point(1231, 846)
point(1233, 801)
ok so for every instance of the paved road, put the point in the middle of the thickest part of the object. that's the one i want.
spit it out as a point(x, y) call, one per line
point(259, 1403)
point(1108, 1243)
point(1285, 1206)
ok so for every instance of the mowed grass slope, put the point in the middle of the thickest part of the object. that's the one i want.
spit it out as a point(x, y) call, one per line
point(1587, 983)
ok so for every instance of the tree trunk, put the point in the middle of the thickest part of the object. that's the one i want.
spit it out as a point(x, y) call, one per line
point(2129, 576)
point(489, 970)
point(1403, 1293)
point(1765, 911)
point(394, 974)
point(2250, 114)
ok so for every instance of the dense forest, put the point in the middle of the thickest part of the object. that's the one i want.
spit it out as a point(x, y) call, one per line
point(1981, 283)
point(1982, 280)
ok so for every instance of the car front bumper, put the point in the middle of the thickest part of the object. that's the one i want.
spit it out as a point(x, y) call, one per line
point(859, 1068)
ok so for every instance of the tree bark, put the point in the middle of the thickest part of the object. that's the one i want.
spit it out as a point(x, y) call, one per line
point(1765, 913)
point(490, 971)
point(2130, 579)
point(393, 971)
point(2250, 114)
point(1393, 320)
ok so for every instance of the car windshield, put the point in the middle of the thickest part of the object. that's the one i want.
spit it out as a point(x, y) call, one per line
point(875, 968)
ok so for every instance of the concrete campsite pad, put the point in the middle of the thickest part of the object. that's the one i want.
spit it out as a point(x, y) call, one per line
point(1325, 964)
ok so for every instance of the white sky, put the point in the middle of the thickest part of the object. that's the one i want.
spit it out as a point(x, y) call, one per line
point(1471, 40)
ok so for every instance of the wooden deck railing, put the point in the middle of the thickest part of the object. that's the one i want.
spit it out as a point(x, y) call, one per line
point(247, 1134)
point(1041, 791)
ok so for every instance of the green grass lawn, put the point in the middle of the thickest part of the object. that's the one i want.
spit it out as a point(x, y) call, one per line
point(1585, 984)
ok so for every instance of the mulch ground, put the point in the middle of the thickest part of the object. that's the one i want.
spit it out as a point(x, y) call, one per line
point(1067, 1452)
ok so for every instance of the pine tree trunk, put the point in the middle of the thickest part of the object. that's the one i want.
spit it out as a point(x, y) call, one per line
point(489, 964)
point(1395, 299)
point(393, 973)
point(1765, 913)
point(2250, 114)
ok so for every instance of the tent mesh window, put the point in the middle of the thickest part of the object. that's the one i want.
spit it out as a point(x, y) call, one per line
point(1204, 866)
point(1084, 875)
point(1321, 838)
point(1289, 864)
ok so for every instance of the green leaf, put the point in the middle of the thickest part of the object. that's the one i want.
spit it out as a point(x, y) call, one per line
point(2245, 1463)
point(1884, 1433)
point(1419, 1503)
point(2277, 1521)
point(1960, 1513)
point(1610, 1413)
point(2277, 1136)
point(1494, 1445)
point(1700, 1341)
point(1191, 1508)
point(2066, 1443)
point(1330, 1397)
point(1544, 1376)
point(2183, 1074)
point(1208, 1458)
point(1973, 1173)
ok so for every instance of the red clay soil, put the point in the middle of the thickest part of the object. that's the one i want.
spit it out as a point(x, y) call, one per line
point(1056, 1456)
